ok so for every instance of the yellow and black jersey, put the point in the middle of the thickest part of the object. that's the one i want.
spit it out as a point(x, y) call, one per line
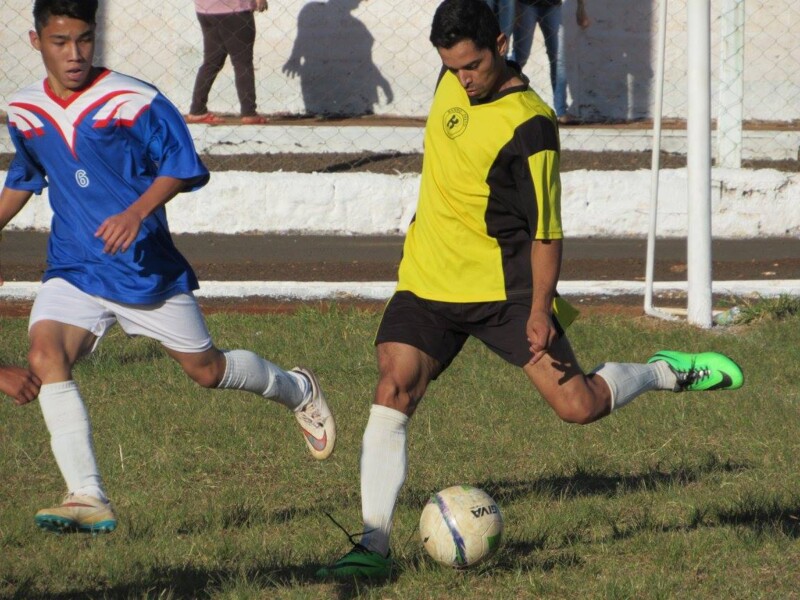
point(490, 185)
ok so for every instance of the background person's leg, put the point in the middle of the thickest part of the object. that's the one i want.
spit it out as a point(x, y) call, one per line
point(553, 33)
point(524, 27)
point(239, 30)
point(506, 15)
point(214, 55)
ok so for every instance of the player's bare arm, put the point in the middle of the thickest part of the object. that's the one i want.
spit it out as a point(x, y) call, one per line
point(20, 384)
point(546, 266)
point(11, 202)
point(119, 231)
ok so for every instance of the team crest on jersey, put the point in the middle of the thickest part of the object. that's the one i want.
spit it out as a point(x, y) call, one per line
point(455, 122)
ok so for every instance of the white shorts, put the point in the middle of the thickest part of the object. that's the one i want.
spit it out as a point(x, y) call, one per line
point(176, 322)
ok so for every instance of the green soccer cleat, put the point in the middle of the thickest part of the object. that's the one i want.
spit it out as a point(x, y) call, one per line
point(705, 371)
point(78, 513)
point(359, 563)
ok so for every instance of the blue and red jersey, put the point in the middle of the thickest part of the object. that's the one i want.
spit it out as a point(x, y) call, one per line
point(98, 151)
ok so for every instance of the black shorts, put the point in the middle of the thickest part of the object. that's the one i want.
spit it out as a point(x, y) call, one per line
point(440, 329)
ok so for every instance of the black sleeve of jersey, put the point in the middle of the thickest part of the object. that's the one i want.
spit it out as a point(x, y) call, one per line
point(535, 135)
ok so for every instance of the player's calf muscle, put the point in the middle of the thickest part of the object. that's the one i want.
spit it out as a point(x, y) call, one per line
point(587, 401)
point(204, 368)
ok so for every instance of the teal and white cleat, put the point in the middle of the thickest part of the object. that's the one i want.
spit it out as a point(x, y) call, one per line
point(705, 371)
point(77, 513)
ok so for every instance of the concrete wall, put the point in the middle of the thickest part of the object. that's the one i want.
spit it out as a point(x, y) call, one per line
point(373, 55)
point(745, 204)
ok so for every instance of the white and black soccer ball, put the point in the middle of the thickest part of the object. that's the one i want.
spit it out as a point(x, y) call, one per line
point(461, 526)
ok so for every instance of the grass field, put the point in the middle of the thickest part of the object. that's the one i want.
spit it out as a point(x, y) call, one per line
point(676, 496)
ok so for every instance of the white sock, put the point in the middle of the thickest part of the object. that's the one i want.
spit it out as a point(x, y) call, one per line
point(383, 472)
point(629, 380)
point(247, 371)
point(71, 437)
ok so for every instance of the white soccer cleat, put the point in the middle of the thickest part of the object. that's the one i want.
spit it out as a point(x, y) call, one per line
point(316, 420)
point(85, 514)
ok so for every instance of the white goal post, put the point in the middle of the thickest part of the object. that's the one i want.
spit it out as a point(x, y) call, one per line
point(699, 300)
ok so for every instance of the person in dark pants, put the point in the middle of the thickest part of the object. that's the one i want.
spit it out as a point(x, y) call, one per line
point(229, 29)
point(547, 14)
point(505, 11)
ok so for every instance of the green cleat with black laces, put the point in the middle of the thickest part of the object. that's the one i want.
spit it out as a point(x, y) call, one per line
point(701, 372)
point(359, 563)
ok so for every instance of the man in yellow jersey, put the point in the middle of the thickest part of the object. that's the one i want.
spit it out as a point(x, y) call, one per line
point(482, 258)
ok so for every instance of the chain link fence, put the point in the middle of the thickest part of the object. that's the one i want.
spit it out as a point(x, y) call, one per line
point(346, 83)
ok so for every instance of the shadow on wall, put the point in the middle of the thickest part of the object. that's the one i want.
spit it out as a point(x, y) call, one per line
point(336, 78)
point(610, 65)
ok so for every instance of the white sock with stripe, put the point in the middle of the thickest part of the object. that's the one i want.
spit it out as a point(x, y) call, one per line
point(383, 472)
point(245, 370)
point(629, 380)
point(71, 437)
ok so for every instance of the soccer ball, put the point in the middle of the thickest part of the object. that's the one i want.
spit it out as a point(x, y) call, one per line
point(461, 526)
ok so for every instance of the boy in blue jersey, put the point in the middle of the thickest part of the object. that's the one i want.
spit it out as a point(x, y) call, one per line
point(113, 151)
point(482, 259)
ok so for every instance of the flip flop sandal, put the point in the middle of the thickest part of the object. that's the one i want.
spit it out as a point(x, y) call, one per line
point(254, 120)
point(209, 119)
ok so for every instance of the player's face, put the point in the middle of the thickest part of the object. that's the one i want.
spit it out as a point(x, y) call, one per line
point(478, 70)
point(67, 48)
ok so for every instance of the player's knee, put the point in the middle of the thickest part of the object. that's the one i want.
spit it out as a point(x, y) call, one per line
point(390, 393)
point(206, 369)
point(576, 417)
point(43, 359)
point(205, 377)
point(205, 374)
point(578, 410)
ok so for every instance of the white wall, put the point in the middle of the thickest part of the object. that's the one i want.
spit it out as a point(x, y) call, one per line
point(382, 44)
point(595, 204)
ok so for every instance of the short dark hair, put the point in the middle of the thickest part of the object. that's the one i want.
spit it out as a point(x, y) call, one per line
point(457, 20)
point(83, 10)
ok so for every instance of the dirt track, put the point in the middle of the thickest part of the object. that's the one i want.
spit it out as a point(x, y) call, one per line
point(375, 258)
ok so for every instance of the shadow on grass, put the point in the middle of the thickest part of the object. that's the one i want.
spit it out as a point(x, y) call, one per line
point(509, 557)
point(583, 483)
point(765, 520)
point(239, 516)
point(196, 583)
point(551, 550)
